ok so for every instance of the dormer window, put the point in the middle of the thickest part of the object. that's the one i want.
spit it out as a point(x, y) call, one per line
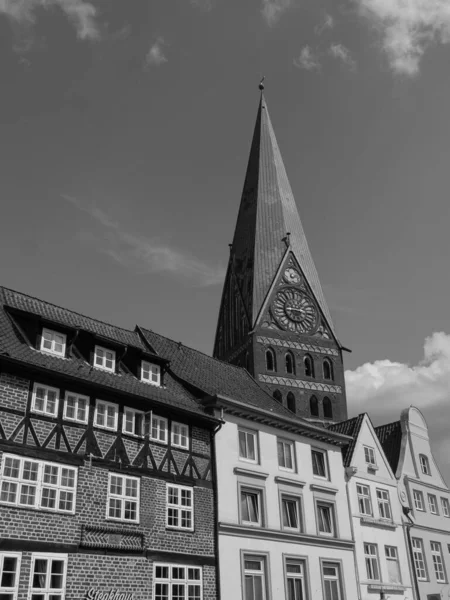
point(53, 342)
point(150, 373)
point(104, 359)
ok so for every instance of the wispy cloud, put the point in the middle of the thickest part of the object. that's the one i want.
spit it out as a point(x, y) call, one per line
point(143, 255)
point(273, 9)
point(307, 59)
point(81, 13)
point(340, 52)
point(155, 57)
point(327, 23)
point(205, 5)
point(408, 28)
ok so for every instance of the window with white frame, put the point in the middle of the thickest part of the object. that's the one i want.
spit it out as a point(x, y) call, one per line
point(332, 582)
point(286, 460)
point(150, 373)
point(9, 575)
point(48, 576)
point(371, 559)
point(179, 435)
point(445, 507)
point(45, 400)
point(177, 582)
point(133, 421)
point(53, 342)
point(158, 429)
point(424, 464)
point(364, 500)
point(319, 463)
point(180, 507)
point(418, 500)
point(384, 504)
point(419, 559)
point(104, 359)
point(248, 448)
point(438, 562)
point(325, 518)
point(255, 578)
point(76, 408)
point(432, 504)
point(369, 456)
point(295, 579)
point(123, 498)
point(290, 513)
point(251, 506)
point(393, 565)
point(38, 484)
point(106, 415)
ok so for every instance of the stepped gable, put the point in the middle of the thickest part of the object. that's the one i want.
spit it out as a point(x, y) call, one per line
point(351, 427)
point(390, 436)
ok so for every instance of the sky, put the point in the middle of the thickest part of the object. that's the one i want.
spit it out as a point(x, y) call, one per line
point(125, 131)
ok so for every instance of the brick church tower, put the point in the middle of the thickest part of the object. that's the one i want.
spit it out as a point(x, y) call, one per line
point(273, 317)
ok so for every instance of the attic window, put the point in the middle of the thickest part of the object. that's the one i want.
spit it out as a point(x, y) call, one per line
point(53, 342)
point(424, 464)
point(369, 455)
point(150, 373)
point(104, 359)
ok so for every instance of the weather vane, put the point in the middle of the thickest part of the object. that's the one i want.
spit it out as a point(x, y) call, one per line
point(261, 83)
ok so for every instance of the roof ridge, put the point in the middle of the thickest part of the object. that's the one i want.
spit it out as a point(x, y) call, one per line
point(74, 312)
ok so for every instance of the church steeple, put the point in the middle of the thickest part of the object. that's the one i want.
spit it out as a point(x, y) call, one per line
point(272, 299)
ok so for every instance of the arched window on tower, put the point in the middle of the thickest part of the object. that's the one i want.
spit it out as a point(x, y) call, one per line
point(309, 366)
point(290, 363)
point(314, 406)
point(278, 396)
point(271, 364)
point(328, 370)
point(327, 408)
point(291, 402)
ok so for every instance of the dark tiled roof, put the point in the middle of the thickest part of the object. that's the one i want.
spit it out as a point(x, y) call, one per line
point(13, 346)
point(352, 428)
point(390, 436)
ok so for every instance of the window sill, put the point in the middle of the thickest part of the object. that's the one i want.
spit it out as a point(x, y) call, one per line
point(378, 522)
point(250, 473)
point(184, 529)
point(104, 428)
point(117, 520)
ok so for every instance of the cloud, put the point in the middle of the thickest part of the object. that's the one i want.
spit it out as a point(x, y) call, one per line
point(155, 57)
point(307, 60)
point(273, 9)
point(205, 5)
point(80, 12)
point(142, 255)
point(340, 52)
point(407, 28)
point(384, 388)
point(328, 23)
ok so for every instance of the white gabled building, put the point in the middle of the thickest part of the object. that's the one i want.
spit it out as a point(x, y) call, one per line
point(383, 561)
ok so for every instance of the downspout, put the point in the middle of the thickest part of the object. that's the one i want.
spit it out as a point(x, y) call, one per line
point(406, 511)
point(349, 472)
point(216, 505)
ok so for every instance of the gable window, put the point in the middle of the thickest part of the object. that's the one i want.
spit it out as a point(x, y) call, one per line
point(290, 401)
point(325, 518)
point(158, 429)
point(314, 406)
point(432, 504)
point(53, 342)
point(290, 512)
point(295, 579)
point(286, 455)
point(150, 373)
point(331, 578)
point(106, 415)
point(133, 421)
point(419, 559)
point(384, 504)
point(37, 484)
point(104, 359)
point(418, 500)
point(255, 580)
point(445, 507)
point(76, 408)
point(290, 363)
point(180, 435)
point(9, 575)
point(424, 464)
point(309, 365)
point(180, 507)
point(319, 463)
point(364, 501)
point(327, 408)
point(328, 370)
point(45, 400)
point(438, 562)
point(369, 456)
point(48, 576)
point(371, 559)
point(248, 445)
point(271, 363)
point(123, 498)
point(177, 582)
point(251, 506)
point(393, 565)
point(278, 396)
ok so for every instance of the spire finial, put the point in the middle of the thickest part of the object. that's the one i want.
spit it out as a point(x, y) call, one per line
point(261, 83)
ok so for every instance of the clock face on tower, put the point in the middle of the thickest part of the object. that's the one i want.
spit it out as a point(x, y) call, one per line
point(295, 311)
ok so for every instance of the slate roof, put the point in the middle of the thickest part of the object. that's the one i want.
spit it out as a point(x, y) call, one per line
point(14, 346)
point(351, 427)
point(390, 436)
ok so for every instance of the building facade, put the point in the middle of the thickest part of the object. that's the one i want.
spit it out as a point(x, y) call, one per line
point(106, 479)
